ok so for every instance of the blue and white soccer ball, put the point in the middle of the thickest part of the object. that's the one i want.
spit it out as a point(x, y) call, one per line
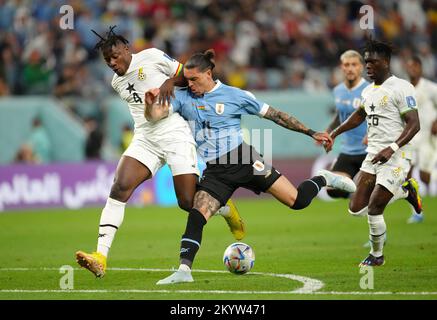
point(239, 258)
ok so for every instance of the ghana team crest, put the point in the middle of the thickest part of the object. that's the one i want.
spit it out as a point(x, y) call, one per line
point(141, 75)
point(219, 108)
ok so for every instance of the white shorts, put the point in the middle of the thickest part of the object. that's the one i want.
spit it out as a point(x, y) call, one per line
point(178, 152)
point(425, 154)
point(391, 174)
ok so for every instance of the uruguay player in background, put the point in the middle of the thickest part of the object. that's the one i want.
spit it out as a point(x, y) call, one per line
point(347, 97)
point(214, 110)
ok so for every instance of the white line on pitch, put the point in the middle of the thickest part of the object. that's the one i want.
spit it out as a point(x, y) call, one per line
point(311, 286)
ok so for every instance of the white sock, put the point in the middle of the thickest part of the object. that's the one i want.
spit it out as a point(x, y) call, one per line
point(377, 229)
point(399, 194)
point(362, 213)
point(184, 267)
point(223, 211)
point(110, 220)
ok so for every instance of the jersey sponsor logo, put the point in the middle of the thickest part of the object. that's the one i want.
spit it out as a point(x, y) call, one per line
point(411, 102)
point(219, 108)
point(141, 75)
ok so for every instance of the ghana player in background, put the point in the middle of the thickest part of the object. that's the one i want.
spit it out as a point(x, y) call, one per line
point(425, 142)
point(390, 107)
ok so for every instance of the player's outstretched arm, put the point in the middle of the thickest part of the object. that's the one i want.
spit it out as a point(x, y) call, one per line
point(354, 120)
point(335, 122)
point(152, 111)
point(289, 122)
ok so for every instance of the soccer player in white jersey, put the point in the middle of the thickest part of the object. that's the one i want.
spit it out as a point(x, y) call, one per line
point(425, 142)
point(214, 111)
point(154, 144)
point(390, 106)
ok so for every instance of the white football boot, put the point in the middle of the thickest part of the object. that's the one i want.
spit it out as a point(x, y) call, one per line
point(337, 181)
point(183, 274)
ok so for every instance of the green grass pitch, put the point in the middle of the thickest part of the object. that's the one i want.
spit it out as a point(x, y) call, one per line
point(322, 242)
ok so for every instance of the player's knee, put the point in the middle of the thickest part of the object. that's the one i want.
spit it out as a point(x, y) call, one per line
point(121, 190)
point(185, 203)
point(335, 193)
point(425, 177)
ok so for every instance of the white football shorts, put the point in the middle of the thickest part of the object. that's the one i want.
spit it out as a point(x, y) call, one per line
point(391, 174)
point(425, 153)
point(177, 151)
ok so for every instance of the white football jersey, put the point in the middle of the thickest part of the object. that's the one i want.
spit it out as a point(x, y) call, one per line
point(148, 69)
point(384, 105)
point(426, 92)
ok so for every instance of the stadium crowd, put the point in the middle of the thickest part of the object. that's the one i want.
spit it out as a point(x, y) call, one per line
point(260, 44)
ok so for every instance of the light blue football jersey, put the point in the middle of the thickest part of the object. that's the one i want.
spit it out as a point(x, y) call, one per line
point(346, 102)
point(215, 117)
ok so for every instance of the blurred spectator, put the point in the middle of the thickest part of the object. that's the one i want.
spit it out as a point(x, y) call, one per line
point(40, 143)
point(68, 84)
point(36, 75)
point(264, 38)
point(94, 139)
point(25, 155)
point(4, 89)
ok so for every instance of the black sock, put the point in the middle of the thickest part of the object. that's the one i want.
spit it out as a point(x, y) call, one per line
point(192, 237)
point(335, 193)
point(307, 190)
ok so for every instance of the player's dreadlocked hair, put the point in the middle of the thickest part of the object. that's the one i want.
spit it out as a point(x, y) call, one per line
point(379, 47)
point(111, 39)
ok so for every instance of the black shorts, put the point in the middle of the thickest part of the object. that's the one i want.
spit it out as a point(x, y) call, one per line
point(349, 164)
point(242, 167)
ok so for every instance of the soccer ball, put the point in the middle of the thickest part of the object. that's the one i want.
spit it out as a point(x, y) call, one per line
point(239, 258)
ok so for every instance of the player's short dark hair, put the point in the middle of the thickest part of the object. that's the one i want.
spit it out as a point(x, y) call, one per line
point(379, 47)
point(416, 59)
point(112, 39)
point(202, 61)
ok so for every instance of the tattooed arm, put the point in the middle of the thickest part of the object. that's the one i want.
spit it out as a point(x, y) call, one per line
point(289, 122)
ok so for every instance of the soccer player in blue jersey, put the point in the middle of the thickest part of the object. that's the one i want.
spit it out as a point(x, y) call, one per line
point(214, 110)
point(347, 97)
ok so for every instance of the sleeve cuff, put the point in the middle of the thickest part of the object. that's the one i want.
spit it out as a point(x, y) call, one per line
point(263, 110)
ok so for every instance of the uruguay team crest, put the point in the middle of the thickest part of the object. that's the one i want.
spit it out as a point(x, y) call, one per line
point(141, 75)
point(219, 108)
